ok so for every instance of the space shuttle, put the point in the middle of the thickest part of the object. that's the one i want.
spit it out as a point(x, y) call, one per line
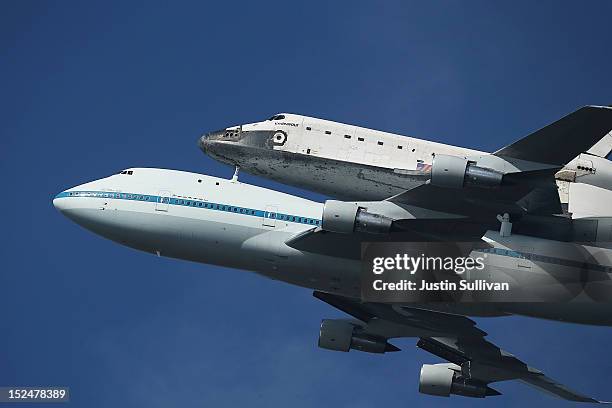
point(349, 162)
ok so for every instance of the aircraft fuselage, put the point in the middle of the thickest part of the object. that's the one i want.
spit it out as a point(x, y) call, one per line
point(337, 159)
point(215, 221)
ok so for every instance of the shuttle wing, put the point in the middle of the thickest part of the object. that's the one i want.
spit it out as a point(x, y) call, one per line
point(451, 337)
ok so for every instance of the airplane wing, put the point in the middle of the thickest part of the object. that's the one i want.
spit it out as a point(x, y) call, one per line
point(533, 192)
point(475, 363)
point(317, 240)
point(483, 361)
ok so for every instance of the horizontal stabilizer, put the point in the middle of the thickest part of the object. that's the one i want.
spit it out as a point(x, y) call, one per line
point(561, 141)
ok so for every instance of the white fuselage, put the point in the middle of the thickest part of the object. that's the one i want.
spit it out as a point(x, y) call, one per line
point(215, 221)
point(337, 159)
point(203, 219)
point(339, 141)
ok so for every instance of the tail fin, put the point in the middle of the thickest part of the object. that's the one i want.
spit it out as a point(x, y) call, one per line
point(561, 141)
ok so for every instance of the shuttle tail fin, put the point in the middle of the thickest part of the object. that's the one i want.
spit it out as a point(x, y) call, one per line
point(561, 141)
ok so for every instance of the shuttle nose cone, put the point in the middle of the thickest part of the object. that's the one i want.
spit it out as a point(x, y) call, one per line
point(222, 145)
point(218, 138)
point(209, 140)
point(203, 143)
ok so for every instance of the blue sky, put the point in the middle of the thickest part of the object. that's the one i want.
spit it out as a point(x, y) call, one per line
point(89, 88)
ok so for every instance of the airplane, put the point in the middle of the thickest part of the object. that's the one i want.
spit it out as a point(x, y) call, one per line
point(353, 163)
point(224, 222)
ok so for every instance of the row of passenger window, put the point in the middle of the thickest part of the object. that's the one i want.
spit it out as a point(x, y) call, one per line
point(200, 204)
point(111, 195)
point(504, 252)
point(292, 218)
point(189, 203)
point(247, 211)
point(547, 259)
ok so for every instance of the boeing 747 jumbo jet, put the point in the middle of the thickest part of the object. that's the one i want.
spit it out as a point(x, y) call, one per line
point(564, 263)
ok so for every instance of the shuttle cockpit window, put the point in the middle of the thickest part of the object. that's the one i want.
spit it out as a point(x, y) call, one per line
point(277, 117)
point(128, 172)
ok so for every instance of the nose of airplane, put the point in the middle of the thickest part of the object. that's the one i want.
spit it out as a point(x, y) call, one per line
point(209, 140)
point(203, 143)
point(59, 201)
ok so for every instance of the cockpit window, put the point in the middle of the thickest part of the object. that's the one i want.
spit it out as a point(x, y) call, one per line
point(277, 117)
point(128, 172)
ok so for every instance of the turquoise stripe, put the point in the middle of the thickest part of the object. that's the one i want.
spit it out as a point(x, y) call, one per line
point(546, 259)
point(184, 202)
point(206, 205)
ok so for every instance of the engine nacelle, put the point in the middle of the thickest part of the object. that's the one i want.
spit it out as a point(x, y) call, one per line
point(346, 217)
point(340, 335)
point(442, 381)
point(457, 172)
point(336, 335)
point(436, 379)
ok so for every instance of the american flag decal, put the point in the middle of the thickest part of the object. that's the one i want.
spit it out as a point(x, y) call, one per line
point(424, 167)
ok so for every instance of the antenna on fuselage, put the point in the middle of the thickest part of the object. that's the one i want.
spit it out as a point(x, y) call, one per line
point(505, 230)
point(235, 176)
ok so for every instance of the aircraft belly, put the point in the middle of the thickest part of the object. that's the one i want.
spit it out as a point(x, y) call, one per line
point(598, 313)
point(540, 283)
point(340, 179)
point(222, 243)
point(279, 261)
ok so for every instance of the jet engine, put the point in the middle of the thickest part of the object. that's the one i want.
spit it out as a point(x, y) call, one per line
point(458, 172)
point(342, 335)
point(346, 217)
point(442, 380)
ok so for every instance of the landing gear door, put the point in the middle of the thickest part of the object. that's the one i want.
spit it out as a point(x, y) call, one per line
point(269, 217)
point(163, 201)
